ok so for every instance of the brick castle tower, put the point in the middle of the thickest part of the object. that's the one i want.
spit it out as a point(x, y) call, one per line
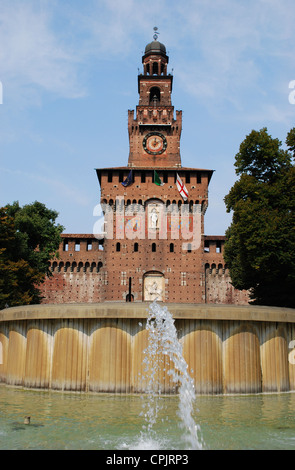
point(153, 244)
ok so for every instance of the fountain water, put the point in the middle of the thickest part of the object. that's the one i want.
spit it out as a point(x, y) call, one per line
point(164, 355)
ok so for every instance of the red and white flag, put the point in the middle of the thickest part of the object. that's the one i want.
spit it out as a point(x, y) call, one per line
point(181, 188)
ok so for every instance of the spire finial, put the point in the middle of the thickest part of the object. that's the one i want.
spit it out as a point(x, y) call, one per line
point(156, 34)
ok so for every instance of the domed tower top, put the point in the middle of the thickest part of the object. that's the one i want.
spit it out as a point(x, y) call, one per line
point(155, 47)
point(155, 59)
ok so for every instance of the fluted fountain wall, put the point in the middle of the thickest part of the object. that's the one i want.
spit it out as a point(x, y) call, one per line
point(100, 347)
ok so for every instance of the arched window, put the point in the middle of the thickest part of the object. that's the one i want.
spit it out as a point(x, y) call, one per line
point(79, 267)
point(136, 247)
point(155, 95)
point(99, 266)
point(67, 266)
point(60, 266)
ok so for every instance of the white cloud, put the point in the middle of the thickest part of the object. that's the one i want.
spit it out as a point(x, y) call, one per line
point(238, 55)
point(61, 190)
point(219, 48)
point(275, 114)
point(33, 55)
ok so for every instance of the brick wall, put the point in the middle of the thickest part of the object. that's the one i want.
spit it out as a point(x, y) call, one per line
point(77, 273)
point(218, 287)
point(81, 276)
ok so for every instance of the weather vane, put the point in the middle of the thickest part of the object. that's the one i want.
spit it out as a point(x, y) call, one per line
point(156, 34)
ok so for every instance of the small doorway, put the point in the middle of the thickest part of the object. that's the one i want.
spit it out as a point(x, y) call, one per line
point(130, 296)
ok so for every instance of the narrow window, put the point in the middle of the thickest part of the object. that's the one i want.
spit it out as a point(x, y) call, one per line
point(110, 177)
point(118, 247)
point(183, 279)
point(123, 278)
point(218, 246)
point(77, 245)
point(153, 247)
point(136, 247)
point(171, 247)
point(130, 297)
point(66, 245)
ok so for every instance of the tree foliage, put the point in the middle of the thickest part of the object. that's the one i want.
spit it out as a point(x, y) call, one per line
point(29, 238)
point(260, 242)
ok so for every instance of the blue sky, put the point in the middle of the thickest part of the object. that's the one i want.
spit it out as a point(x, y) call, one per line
point(68, 70)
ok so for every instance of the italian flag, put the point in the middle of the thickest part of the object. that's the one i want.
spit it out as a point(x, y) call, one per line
point(157, 179)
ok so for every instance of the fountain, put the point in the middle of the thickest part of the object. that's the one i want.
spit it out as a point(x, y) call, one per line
point(152, 365)
point(100, 347)
point(162, 344)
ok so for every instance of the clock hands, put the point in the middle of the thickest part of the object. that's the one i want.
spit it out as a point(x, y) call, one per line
point(156, 142)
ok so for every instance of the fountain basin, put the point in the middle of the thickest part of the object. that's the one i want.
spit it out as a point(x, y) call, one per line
point(100, 347)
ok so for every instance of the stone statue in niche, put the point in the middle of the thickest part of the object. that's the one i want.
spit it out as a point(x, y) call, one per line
point(154, 217)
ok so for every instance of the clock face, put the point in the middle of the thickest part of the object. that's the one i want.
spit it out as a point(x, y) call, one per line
point(154, 143)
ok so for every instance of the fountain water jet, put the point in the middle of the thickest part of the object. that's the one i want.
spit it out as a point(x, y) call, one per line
point(164, 352)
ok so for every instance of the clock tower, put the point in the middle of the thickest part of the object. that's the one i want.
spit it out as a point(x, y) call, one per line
point(154, 207)
point(154, 134)
point(149, 243)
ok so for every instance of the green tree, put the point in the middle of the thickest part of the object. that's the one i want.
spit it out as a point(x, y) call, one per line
point(260, 242)
point(290, 141)
point(29, 238)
